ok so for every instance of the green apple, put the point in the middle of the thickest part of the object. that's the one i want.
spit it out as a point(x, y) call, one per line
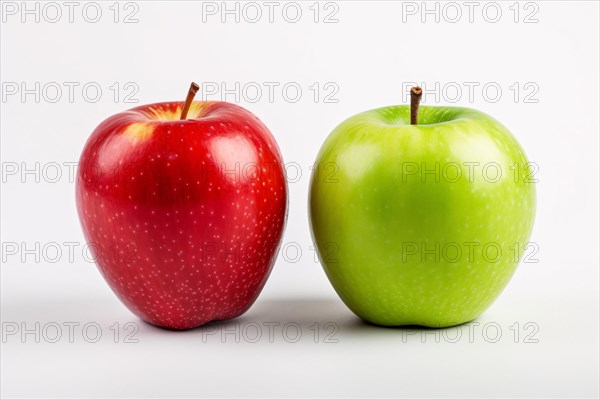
point(421, 224)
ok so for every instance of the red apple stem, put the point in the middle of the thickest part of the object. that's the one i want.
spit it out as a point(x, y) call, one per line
point(188, 100)
point(415, 98)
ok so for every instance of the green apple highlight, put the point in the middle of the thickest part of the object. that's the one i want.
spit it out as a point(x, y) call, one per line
point(421, 224)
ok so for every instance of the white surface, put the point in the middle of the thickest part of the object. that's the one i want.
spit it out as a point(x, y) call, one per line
point(368, 54)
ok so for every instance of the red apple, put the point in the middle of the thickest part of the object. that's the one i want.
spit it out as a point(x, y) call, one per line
point(184, 206)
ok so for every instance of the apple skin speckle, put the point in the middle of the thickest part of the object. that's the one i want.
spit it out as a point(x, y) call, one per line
point(184, 217)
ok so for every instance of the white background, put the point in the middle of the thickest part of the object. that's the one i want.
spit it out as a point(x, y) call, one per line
point(369, 54)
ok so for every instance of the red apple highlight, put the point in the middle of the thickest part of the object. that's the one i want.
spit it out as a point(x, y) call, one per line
point(184, 216)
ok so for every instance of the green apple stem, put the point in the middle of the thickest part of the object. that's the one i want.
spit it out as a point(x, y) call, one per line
point(188, 100)
point(415, 98)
